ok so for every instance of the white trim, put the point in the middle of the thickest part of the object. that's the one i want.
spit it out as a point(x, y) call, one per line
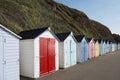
point(10, 31)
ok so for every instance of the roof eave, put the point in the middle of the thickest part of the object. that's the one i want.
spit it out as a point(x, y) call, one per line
point(10, 31)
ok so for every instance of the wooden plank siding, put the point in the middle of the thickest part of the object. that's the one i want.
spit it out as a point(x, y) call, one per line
point(11, 55)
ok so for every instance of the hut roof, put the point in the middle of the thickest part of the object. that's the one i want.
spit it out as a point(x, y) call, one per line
point(31, 34)
point(63, 36)
point(100, 40)
point(89, 39)
point(79, 37)
point(96, 40)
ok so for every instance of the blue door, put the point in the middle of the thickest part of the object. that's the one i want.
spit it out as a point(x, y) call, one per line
point(100, 48)
point(82, 52)
point(1, 59)
point(85, 51)
point(103, 48)
point(110, 47)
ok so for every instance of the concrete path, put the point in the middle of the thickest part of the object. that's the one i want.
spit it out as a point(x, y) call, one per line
point(105, 67)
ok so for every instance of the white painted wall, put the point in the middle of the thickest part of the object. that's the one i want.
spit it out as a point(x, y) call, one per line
point(57, 55)
point(118, 45)
point(113, 46)
point(1, 58)
point(64, 53)
point(78, 52)
point(36, 58)
point(61, 54)
point(11, 55)
point(27, 58)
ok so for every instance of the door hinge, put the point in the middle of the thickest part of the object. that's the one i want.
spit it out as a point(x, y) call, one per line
point(4, 41)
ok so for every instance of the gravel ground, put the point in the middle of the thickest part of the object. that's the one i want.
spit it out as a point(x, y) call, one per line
point(105, 67)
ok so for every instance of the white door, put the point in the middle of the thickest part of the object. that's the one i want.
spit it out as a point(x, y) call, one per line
point(67, 54)
point(1, 59)
point(73, 52)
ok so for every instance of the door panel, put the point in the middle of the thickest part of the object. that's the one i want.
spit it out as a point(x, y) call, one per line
point(73, 52)
point(85, 51)
point(92, 55)
point(43, 56)
point(67, 54)
point(82, 52)
point(47, 55)
point(110, 47)
point(51, 56)
point(1, 59)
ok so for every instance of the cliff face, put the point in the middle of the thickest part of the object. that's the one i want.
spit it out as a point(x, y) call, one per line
point(19, 15)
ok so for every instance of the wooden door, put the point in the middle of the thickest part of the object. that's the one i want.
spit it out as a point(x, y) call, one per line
point(82, 52)
point(43, 56)
point(85, 51)
point(92, 53)
point(70, 47)
point(51, 55)
point(72, 52)
point(1, 59)
point(110, 47)
point(67, 54)
point(47, 56)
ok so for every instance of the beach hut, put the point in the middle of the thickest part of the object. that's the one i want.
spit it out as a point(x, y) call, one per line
point(107, 46)
point(113, 46)
point(9, 54)
point(91, 48)
point(97, 47)
point(110, 46)
point(82, 48)
point(100, 46)
point(38, 52)
point(104, 47)
point(67, 49)
point(118, 46)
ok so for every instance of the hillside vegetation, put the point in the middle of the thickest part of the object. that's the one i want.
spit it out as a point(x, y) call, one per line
point(19, 15)
point(116, 37)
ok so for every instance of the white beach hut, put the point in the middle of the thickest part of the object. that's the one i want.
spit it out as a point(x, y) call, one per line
point(67, 50)
point(9, 54)
point(38, 53)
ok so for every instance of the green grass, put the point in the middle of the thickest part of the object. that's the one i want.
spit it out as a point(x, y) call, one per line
point(19, 15)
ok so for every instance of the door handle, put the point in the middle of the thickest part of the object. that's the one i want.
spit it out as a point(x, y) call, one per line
point(4, 62)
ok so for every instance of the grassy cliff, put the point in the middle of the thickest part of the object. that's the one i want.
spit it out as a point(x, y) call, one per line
point(19, 15)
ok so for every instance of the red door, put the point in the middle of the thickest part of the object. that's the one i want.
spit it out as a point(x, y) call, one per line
point(51, 44)
point(47, 55)
point(43, 56)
